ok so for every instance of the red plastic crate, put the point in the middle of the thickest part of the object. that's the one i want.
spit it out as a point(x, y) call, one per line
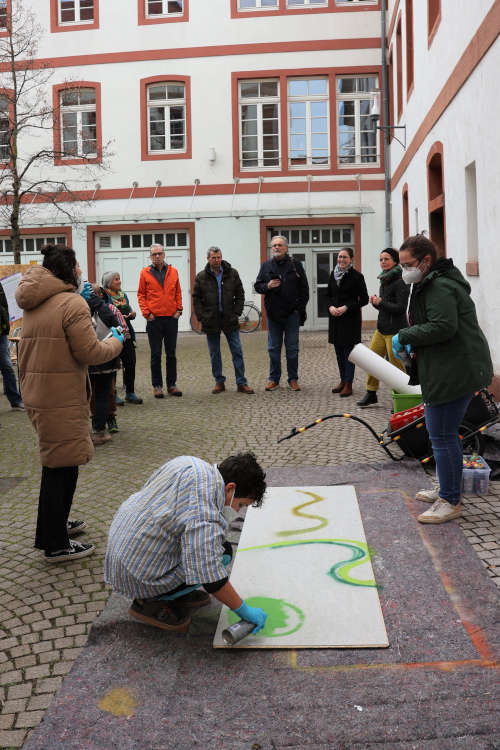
point(402, 418)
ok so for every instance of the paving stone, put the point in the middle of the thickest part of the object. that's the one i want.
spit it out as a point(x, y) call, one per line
point(12, 739)
point(29, 719)
point(50, 685)
point(40, 702)
point(6, 722)
point(35, 673)
point(19, 691)
point(25, 661)
point(9, 678)
point(13, 707)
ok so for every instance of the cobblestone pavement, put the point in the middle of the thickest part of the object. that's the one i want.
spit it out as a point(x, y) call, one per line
point(48, 610)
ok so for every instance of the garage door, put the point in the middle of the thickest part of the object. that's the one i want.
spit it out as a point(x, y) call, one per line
point(128, 253)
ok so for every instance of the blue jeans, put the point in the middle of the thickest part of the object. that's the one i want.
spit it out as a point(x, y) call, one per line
point(442, 424)
point(289, 330)
point(346, 368)
point(8, 374)
point(234, 343)
point(163, 330)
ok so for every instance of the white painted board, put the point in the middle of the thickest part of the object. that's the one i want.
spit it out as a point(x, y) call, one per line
point(303, 558)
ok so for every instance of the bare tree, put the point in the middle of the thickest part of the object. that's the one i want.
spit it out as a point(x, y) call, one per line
point(35, 168)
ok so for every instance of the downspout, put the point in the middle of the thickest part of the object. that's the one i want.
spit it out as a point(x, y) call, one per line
point(385, 130)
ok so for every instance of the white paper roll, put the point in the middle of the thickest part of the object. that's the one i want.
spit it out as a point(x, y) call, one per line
point(381, 369)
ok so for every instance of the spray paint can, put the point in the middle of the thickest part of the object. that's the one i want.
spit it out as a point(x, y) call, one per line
point(108, 335)
point(237, 632)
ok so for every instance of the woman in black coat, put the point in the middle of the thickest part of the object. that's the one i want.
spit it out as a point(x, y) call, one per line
point(347, 294)
point(391, 302)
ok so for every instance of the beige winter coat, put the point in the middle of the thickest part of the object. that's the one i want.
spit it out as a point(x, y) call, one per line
point(57, 343)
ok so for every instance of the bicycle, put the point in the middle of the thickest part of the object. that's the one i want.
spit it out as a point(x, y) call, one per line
point(250, 319)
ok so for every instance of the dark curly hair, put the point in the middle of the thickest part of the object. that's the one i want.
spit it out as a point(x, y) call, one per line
point(420, 246)
point(61, 261)
point(247, 474)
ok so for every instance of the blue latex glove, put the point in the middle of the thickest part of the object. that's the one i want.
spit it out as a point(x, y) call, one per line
point(397, 346)
point(117, 334)
point(87, 290)
point(252, 614)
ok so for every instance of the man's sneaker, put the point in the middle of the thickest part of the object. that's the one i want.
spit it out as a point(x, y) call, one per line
point(427, 496)
point(441, 512)
point(75, 527)
point(74, 552)
point(161, 614)
point(100, 438)
point(119, 401)
point(271, 386)
point(112, 424)
point(133, 399)
point(368, 399)
point(18, 407)
point(193, 600)
point(158, 391)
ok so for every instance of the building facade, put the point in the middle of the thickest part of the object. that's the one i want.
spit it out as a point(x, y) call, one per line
point(223, 122)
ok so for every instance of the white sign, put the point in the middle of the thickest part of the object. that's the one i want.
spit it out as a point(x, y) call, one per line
point(9, 284)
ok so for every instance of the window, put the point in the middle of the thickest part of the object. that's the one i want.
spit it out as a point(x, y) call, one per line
point(74, 15)
point(3, 14)
point(4, 129)
point(305, 3)
point(399, 68)
point(78, 123)
point(409, 46)
point(259, 123)
point(357, 139)
point(406, 212)
point(156, 8)
point(308, 122)
point(166, 117)
point(256, 4)
point(76, 11)
point(356, 2)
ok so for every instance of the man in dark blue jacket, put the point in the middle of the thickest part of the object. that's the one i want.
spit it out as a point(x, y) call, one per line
point(283, 281)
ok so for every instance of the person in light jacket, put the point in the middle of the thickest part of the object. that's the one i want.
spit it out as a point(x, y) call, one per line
point(57, 344)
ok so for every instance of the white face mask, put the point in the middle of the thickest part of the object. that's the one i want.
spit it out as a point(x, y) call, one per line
point(80, 283)
point(412, 275)
point(230, 513)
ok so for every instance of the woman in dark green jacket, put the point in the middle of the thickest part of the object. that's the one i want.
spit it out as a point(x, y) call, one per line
point(451, 361)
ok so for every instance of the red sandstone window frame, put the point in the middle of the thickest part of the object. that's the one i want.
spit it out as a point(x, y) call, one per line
point(56, 26)
point(144, 83)
point(282, 10)
point(399, 67)
point(144, 21)
point(283, 76)
point(56, 99)
point(433, 19)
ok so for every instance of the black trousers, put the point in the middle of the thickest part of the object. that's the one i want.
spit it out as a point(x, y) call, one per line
point(101, 386)
point(128, 359)
point(163, 331)
point(56, 496)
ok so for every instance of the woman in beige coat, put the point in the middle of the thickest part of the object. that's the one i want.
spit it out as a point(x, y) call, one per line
point(57, 344)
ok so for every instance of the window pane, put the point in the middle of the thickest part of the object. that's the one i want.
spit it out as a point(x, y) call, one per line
point(125, 240)
point(315, 236)
point(325, 236)
point(157, 128)
point(159, 239)
point(147, 240)
point(176, 113)
point(318, 109)
point(346, 85)
point(174, 6)
point(177, 127)
point(157, 143)
point(86, 10)
point(87, 96)
point(61, 240)
point(4, 104)
point(297, 109)
point(177, 141)
point(182, 239)
point(156, 114)
point(30, 245)
point(304, 236)
point(269, 88)
point(157, 92)
point(170, 240)
point(249, 88)
point(317, 86)
point(269, 111)
point(136, 240)
point(67, 11)
point(295, 238)
point(249, 127)
point(175, 91)
point(249, 112)
point(297, 88)
point(322, 265)
point(69, 97)
point(154, 8)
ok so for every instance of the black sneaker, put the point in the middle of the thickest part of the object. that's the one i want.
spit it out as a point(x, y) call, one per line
point(193, 600)
point(112, 424)
point(368, 399)
point(74, 552)
point(75, 527)
point(161, 614)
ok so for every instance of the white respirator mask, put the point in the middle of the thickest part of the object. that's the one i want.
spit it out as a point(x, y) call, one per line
point(412, 275)
point(229, 513)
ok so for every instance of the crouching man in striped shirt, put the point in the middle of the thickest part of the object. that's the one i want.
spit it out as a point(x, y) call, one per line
point(168, 540)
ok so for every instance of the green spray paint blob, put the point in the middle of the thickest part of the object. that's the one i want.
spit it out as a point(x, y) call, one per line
point(280, 616)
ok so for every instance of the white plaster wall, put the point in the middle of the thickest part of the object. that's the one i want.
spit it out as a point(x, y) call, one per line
point(209, 24)
point(468, 130)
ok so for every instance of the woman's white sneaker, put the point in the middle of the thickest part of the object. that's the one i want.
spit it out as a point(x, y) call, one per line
point(441, 512)
point(427, 496)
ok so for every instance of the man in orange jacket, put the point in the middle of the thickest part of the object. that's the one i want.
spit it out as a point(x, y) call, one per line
point(160, 299)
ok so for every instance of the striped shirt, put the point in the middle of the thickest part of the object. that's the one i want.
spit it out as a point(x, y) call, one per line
point(170, 532)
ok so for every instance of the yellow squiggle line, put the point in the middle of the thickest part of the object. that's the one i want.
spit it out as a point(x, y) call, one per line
point(296, 512)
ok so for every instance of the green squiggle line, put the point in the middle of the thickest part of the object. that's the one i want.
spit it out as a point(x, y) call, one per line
point(296, 512)
point(340, 571)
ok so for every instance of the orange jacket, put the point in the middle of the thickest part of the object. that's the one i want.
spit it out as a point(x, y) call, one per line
point(157, 299)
